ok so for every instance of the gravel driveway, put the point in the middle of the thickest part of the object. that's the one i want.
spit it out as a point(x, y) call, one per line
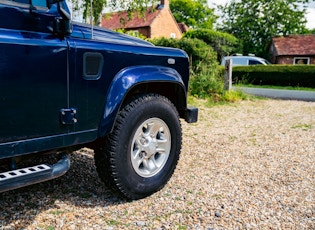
point(249, 165)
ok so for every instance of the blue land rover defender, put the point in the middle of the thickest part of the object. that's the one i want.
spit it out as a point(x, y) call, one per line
point(65, 85)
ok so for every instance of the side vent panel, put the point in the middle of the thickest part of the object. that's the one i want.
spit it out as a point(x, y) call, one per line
point(92, 65)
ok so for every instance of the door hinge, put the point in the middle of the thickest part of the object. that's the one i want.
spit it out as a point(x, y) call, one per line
point(68, 116)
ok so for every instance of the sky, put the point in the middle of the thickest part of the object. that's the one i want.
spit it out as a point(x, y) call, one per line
point(310, 16)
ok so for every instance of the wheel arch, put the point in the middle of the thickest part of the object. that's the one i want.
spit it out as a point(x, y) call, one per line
point(134, 81)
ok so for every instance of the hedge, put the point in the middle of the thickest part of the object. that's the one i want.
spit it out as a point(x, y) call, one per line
point(278, 75)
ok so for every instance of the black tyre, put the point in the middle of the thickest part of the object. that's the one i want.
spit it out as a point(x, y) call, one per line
point(140, 155)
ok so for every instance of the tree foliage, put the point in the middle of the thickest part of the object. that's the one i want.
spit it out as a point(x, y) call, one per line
point(223, 43)
point(194, 13)
point(311, 31)
point(98, 6)
point(257, 21)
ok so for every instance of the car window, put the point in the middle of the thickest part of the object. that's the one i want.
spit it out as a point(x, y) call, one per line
point(254, 62)
point(42, 3)
point(239, 61)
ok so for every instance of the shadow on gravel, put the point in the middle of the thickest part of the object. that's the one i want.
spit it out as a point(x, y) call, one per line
point(80, 186)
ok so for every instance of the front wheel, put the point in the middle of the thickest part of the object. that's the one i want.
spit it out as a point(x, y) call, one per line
point(141, 154)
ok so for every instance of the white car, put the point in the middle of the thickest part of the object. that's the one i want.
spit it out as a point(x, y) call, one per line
point(245, 60)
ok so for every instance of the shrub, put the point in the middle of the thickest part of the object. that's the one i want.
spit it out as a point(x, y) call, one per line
point(198, 51)
point(223, 43)
point(205, 78)
point(207, 83)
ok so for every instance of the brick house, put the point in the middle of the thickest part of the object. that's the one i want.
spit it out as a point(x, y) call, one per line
point(293, 49)
point(157, 22)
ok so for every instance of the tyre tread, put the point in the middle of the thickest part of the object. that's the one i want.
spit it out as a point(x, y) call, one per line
point(105, 159)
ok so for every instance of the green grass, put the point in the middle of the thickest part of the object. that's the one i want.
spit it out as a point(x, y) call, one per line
point(234, 96)
point(304, 127)
point(274, 87)
point(57, 212)
point(112, 222)
point(227, 97)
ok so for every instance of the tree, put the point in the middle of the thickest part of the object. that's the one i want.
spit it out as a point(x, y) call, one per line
point(311, 31)
point(194, 13)
point(257, 21)
point(84, 6)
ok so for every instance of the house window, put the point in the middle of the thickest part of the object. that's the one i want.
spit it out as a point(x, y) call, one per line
point(173, 35)
point(301, 61)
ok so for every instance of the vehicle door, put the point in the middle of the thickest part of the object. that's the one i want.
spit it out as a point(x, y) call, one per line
point(33, 73)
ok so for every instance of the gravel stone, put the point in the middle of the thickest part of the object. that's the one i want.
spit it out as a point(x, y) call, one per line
point(141, 223)
point(248, 165)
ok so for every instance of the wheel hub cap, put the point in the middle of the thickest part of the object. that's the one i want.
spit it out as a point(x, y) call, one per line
point(151, 147)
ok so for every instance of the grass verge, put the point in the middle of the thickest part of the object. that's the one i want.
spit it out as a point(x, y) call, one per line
point(226, 97)
point(274, 87)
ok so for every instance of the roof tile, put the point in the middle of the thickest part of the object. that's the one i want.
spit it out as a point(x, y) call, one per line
point(295, 44)
point(120, 20)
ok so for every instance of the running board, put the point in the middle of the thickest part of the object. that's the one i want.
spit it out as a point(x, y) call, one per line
point(32, 175)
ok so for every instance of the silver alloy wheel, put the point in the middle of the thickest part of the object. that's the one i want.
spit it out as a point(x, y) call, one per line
point(150, 147)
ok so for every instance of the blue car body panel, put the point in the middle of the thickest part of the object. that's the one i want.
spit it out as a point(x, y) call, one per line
point(125, 80)
point(43, 74)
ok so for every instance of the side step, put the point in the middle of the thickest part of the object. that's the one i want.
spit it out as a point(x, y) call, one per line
point(32, 175)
